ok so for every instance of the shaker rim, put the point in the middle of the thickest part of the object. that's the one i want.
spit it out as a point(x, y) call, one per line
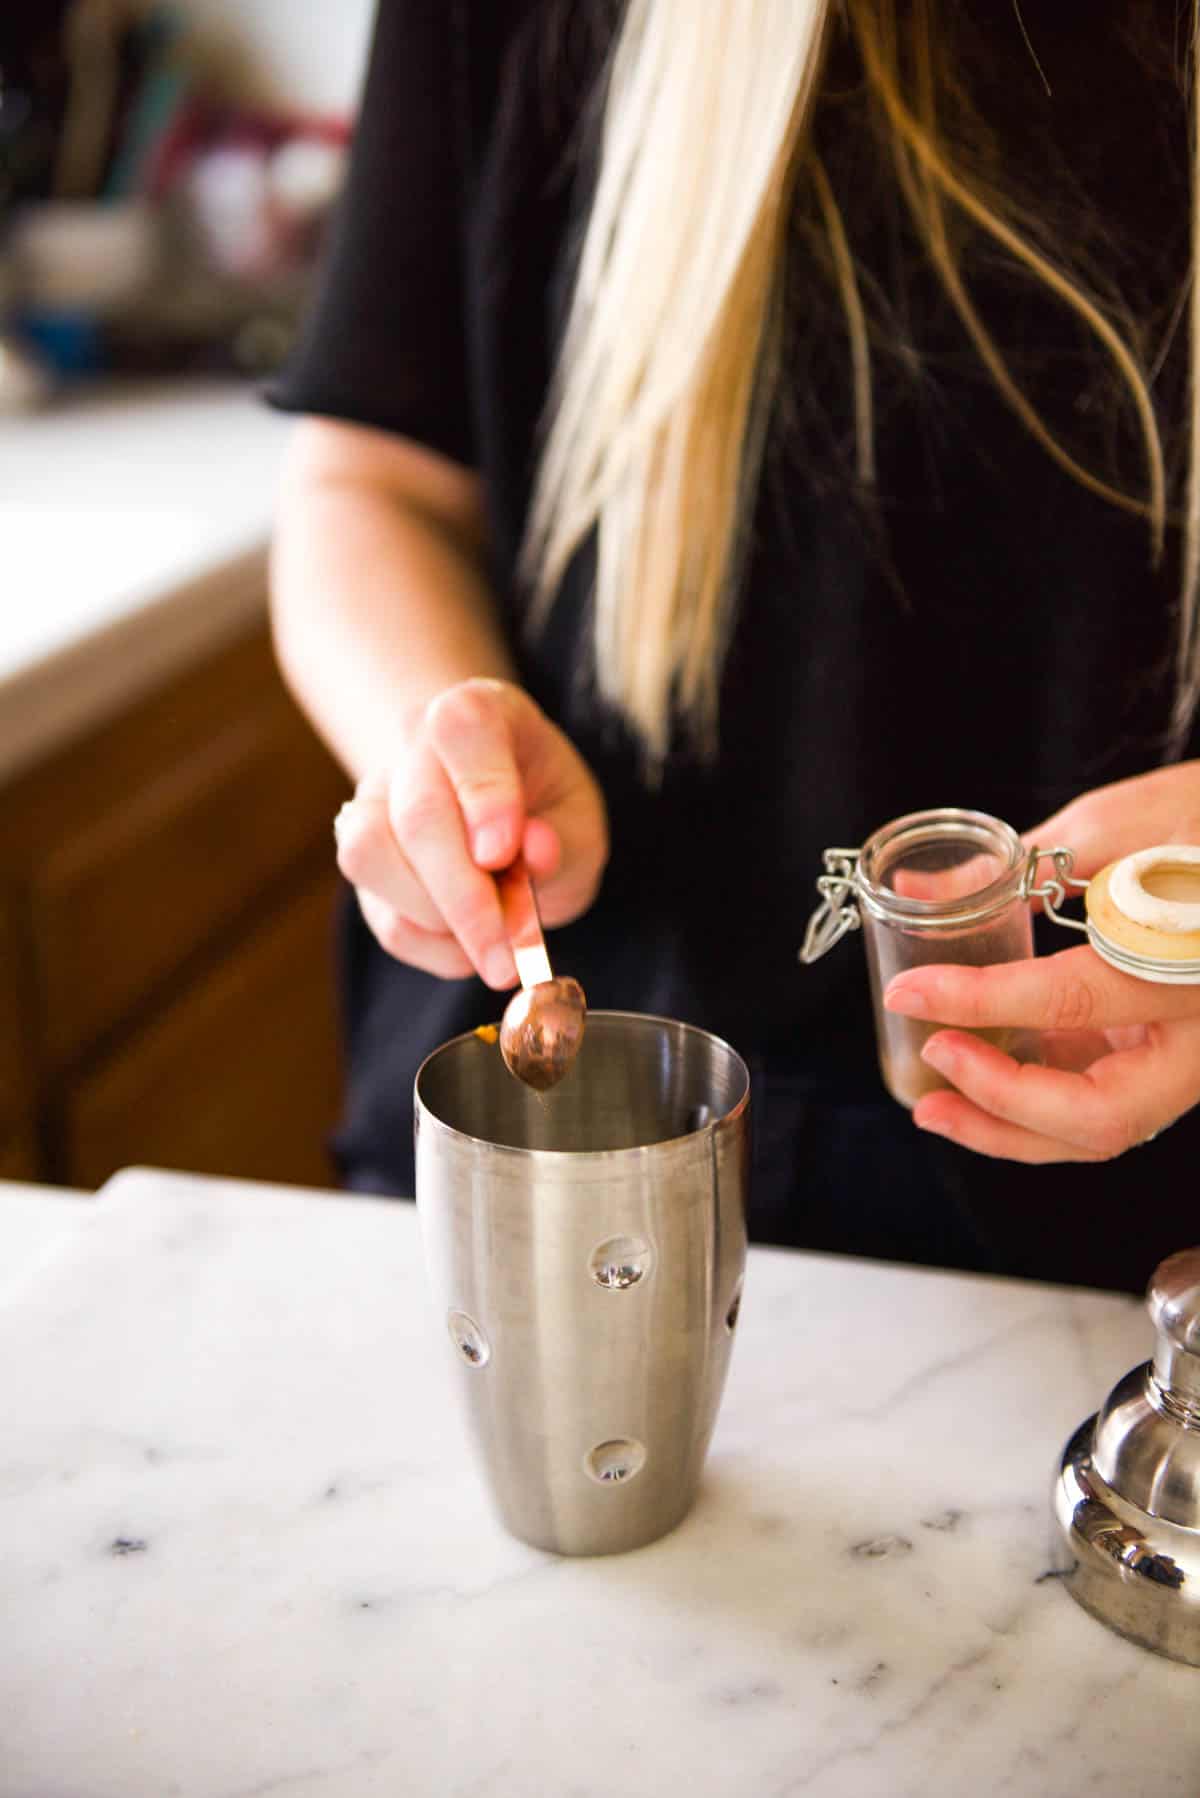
point(592, 1157)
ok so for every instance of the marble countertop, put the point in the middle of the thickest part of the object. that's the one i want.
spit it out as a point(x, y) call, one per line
point(246, 1552)
point(133, 528)
point(35, 1223)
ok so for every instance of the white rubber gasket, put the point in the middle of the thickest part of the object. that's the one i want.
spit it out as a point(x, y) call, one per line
point(1131, 899)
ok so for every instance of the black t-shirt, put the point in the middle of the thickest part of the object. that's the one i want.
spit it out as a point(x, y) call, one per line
point(984, 632)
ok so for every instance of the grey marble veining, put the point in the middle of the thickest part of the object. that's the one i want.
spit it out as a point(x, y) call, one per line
point(243, 1550)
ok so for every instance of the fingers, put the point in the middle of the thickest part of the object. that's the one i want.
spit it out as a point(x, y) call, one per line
point(1109, 822)
point(429, 825)
point(1044, 1113)
point(487, 776)
point(950, 1115)
point(541, 849)
point(1073, 990)
point(404, 843)
point(1133, 1046)
point(1040, 1114)
point(566, 832)
point(435, 952)
point(470, 730)
point(372, 860)
point(393, 899)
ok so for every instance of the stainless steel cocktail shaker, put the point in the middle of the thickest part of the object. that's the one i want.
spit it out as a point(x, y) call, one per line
point(1127, 1496)
point(586, 1249)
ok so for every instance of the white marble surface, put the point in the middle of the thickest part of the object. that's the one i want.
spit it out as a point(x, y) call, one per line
point(36, 1223)
point(133, 527)
point(245, 1551)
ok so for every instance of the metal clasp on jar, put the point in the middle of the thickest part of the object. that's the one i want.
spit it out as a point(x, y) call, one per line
point(838, 911)
point(1053, 892)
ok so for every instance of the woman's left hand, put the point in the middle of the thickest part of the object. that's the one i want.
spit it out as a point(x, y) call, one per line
point(1122, 1055)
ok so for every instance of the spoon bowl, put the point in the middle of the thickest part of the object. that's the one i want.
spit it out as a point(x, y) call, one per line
point(542, 1026)
point(541, 1031)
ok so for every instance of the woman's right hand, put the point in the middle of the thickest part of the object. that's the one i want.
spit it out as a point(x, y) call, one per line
point(484, 776)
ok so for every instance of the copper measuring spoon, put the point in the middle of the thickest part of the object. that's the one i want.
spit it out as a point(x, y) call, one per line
point(542, 1027)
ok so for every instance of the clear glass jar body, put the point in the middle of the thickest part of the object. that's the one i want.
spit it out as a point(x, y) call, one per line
point(939, 886)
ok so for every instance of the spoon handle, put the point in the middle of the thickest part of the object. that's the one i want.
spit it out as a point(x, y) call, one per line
point(523, 925)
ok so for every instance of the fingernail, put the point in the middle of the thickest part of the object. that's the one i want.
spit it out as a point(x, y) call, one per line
point(909, 1000)
point(498, 967)
point(934, 1126)
point(492, 844)
point(940, 1053)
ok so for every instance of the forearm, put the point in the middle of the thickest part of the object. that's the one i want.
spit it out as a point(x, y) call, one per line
point(378, 596)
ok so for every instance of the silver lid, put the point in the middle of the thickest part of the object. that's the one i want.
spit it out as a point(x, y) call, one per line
point(1174, 1304)
point(1127, 1499)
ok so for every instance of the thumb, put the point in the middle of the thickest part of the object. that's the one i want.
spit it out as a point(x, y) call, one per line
point(542, 849)
point(1109, 822)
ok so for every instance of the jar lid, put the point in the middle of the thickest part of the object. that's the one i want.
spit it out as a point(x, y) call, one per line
point(1143, 914)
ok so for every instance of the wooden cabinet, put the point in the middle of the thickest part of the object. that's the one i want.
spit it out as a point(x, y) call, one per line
point(236, 1075)
point(166, 898)
point(16, 1147)
point(18, 1157)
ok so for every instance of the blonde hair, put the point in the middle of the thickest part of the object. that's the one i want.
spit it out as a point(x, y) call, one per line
point(667, 365)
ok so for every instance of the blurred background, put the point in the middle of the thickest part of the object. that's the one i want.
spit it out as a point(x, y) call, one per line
point(167, 174)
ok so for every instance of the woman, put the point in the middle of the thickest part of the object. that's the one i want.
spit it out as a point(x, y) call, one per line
point(730, 428)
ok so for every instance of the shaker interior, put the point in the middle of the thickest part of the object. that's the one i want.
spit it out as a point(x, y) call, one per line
point(637, 1081)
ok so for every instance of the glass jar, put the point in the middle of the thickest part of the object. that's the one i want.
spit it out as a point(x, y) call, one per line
point(935, 886)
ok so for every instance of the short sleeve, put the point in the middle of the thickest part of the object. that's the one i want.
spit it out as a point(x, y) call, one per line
point(383, 342)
